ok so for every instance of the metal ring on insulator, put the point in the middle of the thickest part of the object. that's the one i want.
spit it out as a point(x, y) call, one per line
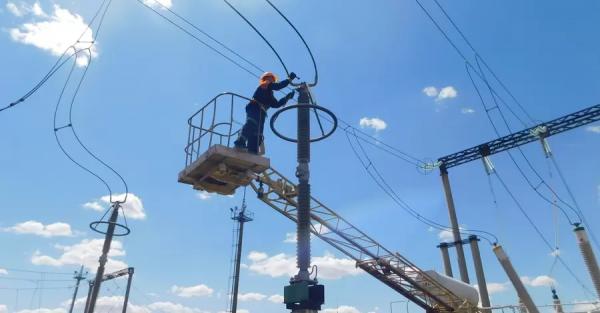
point(308, 106)
point(124, 229)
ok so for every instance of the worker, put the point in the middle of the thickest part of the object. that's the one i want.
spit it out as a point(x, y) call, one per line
point(263, 99)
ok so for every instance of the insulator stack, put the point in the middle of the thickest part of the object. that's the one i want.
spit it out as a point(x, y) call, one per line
point(558, 308)
point(588, 256)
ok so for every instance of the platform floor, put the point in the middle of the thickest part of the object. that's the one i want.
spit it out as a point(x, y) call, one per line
point(222, 170)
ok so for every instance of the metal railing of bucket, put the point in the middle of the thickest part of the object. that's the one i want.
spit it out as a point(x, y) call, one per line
point(218, 122)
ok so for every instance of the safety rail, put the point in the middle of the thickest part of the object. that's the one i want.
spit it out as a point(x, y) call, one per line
point(214, 124)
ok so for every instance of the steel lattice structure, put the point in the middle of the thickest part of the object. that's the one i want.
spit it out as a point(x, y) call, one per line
point(543, 130)
point(390, 268)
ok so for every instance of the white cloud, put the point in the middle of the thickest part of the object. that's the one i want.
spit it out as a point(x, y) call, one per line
point(133, 208)
point(157, 3)
point(281, 264)
point(495, 287)
point(587, 307)
point(111, 304)
point(39, 229)
point(170, 307)
point(43, 310)
point(3, 308)
point(56, 33)
point(87, 253)
point(290, 238)
point(3, 271)
point(14, 10)
point(276, 299)
point(94, 206)
point(375, 123)
point(593, 129)
point(467, 111)
point(446, 236)
point(115, 304)
point(36, 9)
point(539, 281)
point(430, 91)
point(251, 296)
point(342, 309)
point(192, 291)
point(447, 92)
point(203, 195)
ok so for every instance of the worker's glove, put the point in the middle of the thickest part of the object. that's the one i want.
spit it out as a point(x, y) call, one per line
point(292, 76)
point(290, 95)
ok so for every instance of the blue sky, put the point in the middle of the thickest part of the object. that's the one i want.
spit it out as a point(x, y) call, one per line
point(375, 61)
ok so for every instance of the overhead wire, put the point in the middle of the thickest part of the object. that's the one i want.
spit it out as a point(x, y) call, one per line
point(462, 55)
point(512, 96)
point(70, 124)
point(540, 234)
point(198, 39)
point(514, 161)
point(312, 57)
point(261, 36)
point(58, 64)
point(371, 140)
point(496, 97)
point(380, 181)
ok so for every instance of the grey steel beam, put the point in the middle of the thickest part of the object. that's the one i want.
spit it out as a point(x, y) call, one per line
point(525, 136)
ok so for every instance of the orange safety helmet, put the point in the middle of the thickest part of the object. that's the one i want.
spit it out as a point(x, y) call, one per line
point(263, 81)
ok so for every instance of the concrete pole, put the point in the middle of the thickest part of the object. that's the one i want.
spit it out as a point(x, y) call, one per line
point(515, 279)
point(104, 257)
point(462, 264)
point(481, 283)
point(588, 256)
point(79, 277)
point(129, 279)
point(446, 259)
point(89, 295)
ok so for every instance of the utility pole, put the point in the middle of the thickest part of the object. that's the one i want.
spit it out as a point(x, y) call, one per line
point(481, 283)
point(460, 253)
point(129, 279)
point(109, 234)
point(240, 217)
point(79, 276)
point(446, 258)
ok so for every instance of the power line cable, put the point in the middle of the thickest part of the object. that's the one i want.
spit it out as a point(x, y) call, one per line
point(70, 124)
point(187, 21)
point(515, 163)
point(303, 41)
point(460, 32)
point(197, 38)
point(32, 271)
point(462, 55)
point(261, 36)
point(378, 178)
point(572, 196)
point(59, 63)
point(540, 234)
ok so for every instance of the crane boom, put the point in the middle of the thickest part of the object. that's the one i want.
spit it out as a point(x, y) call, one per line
point(390, 268)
